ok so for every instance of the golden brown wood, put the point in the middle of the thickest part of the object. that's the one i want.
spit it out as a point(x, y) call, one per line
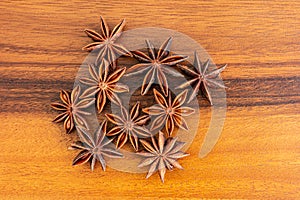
point(258, 154)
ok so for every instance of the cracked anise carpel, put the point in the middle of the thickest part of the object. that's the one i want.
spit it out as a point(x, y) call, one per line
point(104, 86)
point(73, 109)
point(94, 147)
point(202, 76)
point(106, 42)
point(161, 155)
point(129, 125)
point(157, 64)
point(169, 113)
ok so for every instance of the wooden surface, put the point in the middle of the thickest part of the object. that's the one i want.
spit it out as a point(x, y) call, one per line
point(258, 154)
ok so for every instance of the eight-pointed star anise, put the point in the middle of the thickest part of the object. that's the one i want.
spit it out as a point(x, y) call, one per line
point(157, 64)
point(169, 112)
point(161, 155)
point(104, 86)
point(128, 126)
point(106, 42)
point(202, 76)
point(95, 147)
point(73, 109)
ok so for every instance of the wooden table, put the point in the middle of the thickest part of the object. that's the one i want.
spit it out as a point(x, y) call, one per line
point(258, 154)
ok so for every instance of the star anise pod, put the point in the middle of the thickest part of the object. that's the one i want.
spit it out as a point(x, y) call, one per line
point(157, 63)
point(73, 109)
point(128, 126)
point(202, 76)
point(161, 155)
point(169, 113)
point(95, 147)
point(105, 41)
point(104, 86)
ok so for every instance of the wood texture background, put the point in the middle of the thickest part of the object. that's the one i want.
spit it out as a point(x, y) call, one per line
point(258, 154)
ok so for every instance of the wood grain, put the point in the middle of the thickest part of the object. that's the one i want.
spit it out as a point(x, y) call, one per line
point(258, 154)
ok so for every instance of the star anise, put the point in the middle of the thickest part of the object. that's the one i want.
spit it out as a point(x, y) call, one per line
point(106, 42)
point(169, 113)
point(157, 63)
point(161, 155)
point(104, 86)
point(128, 126)
point(73, 109)
point(202, 76)
point(94, 148)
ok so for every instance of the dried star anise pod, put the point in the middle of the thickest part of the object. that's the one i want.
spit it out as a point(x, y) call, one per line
point(202, 76)
point(128, 126)
point(94, 148)
point(104, 86)
point(169, 112)
point(161, 155)
point(73, 109)
point(157, 63)
point(106, 42)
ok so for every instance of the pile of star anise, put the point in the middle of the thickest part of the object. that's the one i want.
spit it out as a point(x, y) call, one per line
point(159, 150)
